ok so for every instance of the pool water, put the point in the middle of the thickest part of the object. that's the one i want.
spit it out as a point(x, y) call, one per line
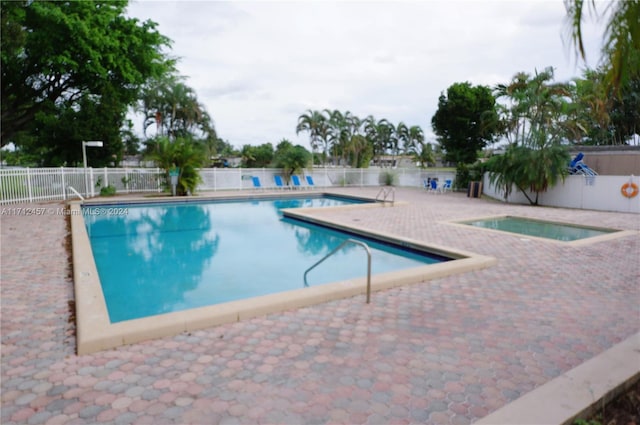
point(169, 257)
point(539, 228)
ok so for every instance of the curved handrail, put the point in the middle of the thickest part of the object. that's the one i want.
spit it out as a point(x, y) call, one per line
point(76, 192)
point(362, 244)
point(391, 191)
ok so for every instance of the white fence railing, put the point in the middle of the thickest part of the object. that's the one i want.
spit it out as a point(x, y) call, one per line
point(582, 192)
point(19, 185)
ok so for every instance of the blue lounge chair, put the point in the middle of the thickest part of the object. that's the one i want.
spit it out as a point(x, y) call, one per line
point(577, 166)
point(256, 182)
point(278, 180)
point(310, 181)
point(296, 181)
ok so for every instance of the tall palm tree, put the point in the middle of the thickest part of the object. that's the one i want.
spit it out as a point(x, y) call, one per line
point(173, 107)
point(422, 152)
point(313, 122)
point(337, 133)
point(402, 136)
point(537, 116)
point(534, 107)
point(621, 46)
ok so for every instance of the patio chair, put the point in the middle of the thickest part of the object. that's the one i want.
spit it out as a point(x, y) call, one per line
point(433, 186)
point(296, 181)
point(279, 183)
point(310, 181)
point(447, 185)
point(256, 182)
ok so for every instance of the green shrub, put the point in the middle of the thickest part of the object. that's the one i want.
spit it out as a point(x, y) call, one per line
point(387, 178)
point(108, 191)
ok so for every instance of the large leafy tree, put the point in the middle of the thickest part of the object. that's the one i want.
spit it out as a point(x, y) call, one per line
point(465, 122)
point(69, 65)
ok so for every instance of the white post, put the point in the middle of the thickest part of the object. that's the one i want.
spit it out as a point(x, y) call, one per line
point(29, 184)
point(106, 177)
point(91, 143)
point(91, 182)
point(64, 186)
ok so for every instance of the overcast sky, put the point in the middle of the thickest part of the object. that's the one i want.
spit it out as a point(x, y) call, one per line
point(257, 66)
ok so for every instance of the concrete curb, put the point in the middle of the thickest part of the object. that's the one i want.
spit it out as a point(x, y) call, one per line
point(577, 393)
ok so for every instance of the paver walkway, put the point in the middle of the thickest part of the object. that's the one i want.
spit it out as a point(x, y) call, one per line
point(447, 351)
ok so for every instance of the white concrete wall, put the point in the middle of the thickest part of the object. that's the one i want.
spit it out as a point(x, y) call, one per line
point(592, 193)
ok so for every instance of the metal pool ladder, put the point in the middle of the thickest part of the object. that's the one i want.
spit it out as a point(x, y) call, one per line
point(353, 241)
point(387, 192)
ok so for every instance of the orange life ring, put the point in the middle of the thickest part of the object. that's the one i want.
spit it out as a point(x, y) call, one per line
point(629, 190)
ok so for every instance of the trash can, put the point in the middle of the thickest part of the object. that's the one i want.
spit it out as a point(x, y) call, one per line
point(474, 190)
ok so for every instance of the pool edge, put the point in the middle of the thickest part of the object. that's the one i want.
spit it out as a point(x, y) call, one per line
point(96, 333)
point(615, 233)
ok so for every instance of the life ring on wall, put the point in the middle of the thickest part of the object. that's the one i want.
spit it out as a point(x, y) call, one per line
point(629, 190)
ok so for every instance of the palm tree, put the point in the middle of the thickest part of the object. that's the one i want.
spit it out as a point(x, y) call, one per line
point(174, 108)
point(402, 137)
point(422, 152)
point(535, 105)
point(621, 47)
point(336, 133)
point(184, 155)
point(537, 159)
point(359, 150)
point(314, 123)
point(379, 134)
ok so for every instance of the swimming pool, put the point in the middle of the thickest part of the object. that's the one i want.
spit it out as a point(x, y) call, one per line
point(538, 228)
point(161, 258)
point(95, 330)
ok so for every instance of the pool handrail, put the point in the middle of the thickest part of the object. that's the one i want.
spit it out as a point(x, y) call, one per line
point(362, 244)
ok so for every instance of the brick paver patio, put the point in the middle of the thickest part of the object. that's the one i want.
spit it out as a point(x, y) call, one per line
point(447, 351)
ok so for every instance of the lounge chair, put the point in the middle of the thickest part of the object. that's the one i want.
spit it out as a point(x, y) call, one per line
point(279, 183)
point(433, 187)
point(310, 181)
point(296, 181)
point(256, 182)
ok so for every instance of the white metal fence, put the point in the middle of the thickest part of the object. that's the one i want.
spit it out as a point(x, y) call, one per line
point(19, 185)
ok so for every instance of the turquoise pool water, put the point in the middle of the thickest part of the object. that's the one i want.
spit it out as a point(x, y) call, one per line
point(159, 258)
point(538, 228)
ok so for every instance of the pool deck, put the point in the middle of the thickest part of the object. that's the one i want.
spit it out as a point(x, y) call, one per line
point(447, 351)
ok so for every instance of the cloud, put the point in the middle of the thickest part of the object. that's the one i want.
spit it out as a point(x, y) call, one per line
point(257, 66)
